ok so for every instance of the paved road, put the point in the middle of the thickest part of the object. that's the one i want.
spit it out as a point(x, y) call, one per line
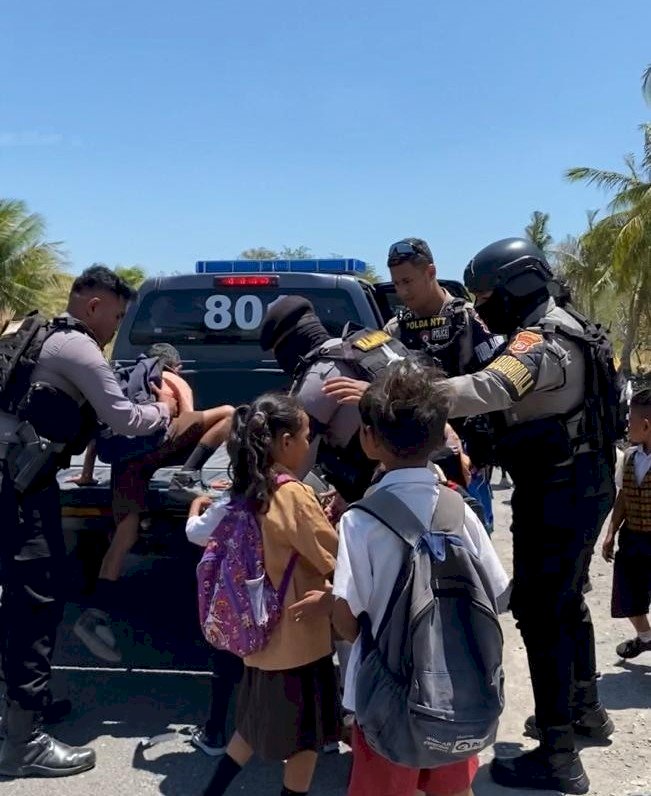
point(163, 685)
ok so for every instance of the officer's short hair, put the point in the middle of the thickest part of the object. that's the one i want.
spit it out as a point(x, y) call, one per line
point(407, 407)
point(409, 250)
point(168, 356)
point(99, 277)
point(642, 399)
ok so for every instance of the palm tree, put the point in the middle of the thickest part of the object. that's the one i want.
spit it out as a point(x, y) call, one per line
point(627, 229)
point(28, 265)
point(537, 230)
point(646, 84)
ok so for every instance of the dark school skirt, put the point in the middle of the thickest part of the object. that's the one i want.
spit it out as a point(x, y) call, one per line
point(284, 712)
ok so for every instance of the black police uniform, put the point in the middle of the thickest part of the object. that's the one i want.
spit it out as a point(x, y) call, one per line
point(460, 342)
point(455, 336)
point(563, 491)
point(72, 384)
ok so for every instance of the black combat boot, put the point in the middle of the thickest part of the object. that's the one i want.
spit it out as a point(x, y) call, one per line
point(53, 712)
point(554, 765)
point(593, 723)
point(27, 751)
point(542, 769)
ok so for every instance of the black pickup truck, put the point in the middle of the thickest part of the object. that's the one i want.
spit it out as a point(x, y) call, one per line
point(213, 317)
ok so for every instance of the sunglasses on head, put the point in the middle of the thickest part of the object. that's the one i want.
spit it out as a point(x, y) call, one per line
point(406, 249)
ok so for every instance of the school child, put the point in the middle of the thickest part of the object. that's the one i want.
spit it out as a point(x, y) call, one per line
point(288, 705)
point(205, 515)
point(403, 419)
point(631, 518)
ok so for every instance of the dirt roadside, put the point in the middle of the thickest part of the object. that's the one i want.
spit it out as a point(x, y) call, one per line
point(624, 767)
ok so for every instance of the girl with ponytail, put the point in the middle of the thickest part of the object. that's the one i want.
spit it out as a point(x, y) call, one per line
point(288, 703)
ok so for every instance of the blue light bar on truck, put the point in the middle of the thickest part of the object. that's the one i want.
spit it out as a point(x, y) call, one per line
point(335, 266)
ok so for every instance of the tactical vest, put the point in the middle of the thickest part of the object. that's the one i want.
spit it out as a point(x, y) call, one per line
point(367, 352)
point(638, 498)
point(604, 407)
point(439, 336)
point(593, 426)
point(50, 425)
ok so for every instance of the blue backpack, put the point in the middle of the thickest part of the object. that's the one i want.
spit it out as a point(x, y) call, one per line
point(135, 382)
point(430, 687)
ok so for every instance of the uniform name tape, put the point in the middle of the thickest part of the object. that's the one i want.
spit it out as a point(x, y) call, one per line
point(418, 324)
point(514, 372)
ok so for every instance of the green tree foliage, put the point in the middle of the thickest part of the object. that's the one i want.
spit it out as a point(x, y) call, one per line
point(259, 253)
point(623, 237)
point(537, 230)
point(133, 275)
point(29, 266)
point(297, 253)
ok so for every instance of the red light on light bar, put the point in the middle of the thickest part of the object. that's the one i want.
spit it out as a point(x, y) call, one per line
point(246, 281)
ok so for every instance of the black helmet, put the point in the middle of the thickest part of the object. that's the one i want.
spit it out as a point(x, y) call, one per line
point(516, 265)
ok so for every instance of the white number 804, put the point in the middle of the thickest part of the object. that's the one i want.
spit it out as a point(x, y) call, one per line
point(220, 313)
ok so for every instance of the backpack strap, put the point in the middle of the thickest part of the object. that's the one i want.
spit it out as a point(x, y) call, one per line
point(450, 512)
point(285, 478)
point(392, 512)
point(384, 506)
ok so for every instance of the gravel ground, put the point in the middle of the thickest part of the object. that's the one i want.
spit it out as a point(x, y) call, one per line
point(163, 686)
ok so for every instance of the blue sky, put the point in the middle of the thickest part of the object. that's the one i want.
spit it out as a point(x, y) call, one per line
point(160, 133)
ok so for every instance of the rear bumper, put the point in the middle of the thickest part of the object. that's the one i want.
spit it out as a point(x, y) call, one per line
point(93, 503)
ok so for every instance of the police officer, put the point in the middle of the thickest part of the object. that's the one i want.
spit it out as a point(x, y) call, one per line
point(557, 447)
point(445, 326)
point(71, 386)
point(306, 352)
point(448, 329)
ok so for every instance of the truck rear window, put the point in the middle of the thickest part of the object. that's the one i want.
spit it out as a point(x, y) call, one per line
point(226, 315)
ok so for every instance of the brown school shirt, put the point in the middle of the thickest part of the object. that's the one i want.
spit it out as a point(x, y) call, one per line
point(296, 522)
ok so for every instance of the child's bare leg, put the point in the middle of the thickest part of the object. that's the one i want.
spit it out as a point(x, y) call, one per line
point(93, 626)
point(216, 424)
point(238, 754)
point(299, 770)
point(126, 535)
point(640, 623)
point(239, 750)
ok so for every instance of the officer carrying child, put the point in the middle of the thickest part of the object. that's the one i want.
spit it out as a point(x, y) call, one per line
point(56, 384)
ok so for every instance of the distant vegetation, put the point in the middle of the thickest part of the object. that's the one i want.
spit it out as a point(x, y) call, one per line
point(607, 267)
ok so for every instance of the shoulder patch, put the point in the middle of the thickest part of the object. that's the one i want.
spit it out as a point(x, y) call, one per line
point(370, 341)
point(523, 342)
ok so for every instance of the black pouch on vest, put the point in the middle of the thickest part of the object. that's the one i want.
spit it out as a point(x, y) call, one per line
point(534, 447)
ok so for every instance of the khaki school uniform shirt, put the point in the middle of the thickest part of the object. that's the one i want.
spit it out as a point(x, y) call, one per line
point(295, 522)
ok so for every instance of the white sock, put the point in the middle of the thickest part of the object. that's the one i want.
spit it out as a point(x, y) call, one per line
point(645, 637)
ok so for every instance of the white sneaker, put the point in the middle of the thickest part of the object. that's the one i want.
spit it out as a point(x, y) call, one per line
point(93, 628)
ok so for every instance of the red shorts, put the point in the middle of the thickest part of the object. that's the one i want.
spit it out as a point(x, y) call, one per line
point(373, 775)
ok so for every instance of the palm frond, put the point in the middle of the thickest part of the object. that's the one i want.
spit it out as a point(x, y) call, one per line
point(630, 241)
point(646, 132)
point(606, 180)
point(646, 84)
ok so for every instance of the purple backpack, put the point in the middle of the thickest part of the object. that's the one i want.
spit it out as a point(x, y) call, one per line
point(238, 605)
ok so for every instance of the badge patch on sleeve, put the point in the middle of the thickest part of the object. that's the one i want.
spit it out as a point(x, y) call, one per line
point(523, 342)
point(515, 375)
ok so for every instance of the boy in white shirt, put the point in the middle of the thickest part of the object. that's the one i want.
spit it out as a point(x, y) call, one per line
point(403, 420)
